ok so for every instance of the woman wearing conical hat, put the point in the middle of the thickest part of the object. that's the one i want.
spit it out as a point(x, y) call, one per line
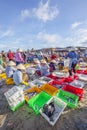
point(18, 57)
point(45, 70)
point(10, 69)
point(20, 75)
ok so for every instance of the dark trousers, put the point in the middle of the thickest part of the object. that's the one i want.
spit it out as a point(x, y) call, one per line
point(72, 68)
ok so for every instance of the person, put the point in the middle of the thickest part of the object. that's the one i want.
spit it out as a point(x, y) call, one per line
point(45, 70)
point(18, 57)
point(1, 61)
point(10, 69)
point(10, 55)
point(37, 64)
point(4, 58)
point(85, 56)
point(73, 56)
point(20, 75)
point(37, 67)
point(52, 65)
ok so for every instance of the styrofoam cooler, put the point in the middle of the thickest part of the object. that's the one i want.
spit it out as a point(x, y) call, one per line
point(46, 79)
point(77, 83)
point(60, 74)
point(15, 98)
point(30, 70)
point(82, 77)
point(23, 87)
point(37, 82)
point(59, 108)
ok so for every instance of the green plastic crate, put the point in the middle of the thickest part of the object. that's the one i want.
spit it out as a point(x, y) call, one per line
point(17, 106)
point(38, 101)
point(68, 97)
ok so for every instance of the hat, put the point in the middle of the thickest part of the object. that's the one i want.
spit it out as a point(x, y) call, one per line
point(19, 50)
point(53, 61)
point(11, 63)
point(21, 67)
point(43, 62)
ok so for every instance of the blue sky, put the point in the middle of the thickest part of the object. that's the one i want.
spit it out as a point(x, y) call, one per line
point(42, 23)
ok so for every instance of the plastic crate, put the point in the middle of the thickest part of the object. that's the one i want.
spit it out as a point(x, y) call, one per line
point(37, 102)
point(57, 83)
point(28, 94)
point(59, 108)
point(70, 79)
point(46, 79)
point(81, 72)
point(68, 97)
point(76, 91)
point(37, 82)
point(77, 84)
point(15, 98)
point(49, 89)
point(82, 77)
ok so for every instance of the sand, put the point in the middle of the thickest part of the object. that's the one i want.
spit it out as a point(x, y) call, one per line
point(25, 119)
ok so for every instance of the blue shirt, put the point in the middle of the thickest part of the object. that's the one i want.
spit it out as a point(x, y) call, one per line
point(9, 71)
point(17, 77)
point(45, 70)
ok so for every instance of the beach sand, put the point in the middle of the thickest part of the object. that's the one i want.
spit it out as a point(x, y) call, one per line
point(25, 119)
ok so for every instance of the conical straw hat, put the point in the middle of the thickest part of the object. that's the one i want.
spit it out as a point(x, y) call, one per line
point(21, 67)
point(11, 63)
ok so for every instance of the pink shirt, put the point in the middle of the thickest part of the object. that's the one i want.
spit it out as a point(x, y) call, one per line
point(18, 57)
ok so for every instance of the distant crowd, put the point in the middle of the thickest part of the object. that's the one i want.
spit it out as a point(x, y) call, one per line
point(14, 64)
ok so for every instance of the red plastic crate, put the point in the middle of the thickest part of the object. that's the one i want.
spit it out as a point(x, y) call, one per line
point(82, 72)
point(70, 79)
point(58, 83)
point(54, 77)
point(74, 90)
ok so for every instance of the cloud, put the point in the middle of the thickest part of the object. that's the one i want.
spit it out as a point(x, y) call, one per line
point(6, 33)
point(45, 12)
point(25, 14)
point(49, 40)
point(76, 24)
point(77, 37)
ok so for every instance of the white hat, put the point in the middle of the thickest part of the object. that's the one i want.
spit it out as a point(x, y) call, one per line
point(21, 67)
point(19, 50)
point(11, 63)
point(53, 61)
point(43, 62)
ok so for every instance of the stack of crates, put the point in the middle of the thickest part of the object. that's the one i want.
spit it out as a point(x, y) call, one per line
point(15, 98)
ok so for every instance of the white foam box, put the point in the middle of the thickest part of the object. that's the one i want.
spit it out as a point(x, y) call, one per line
point(82, 77)
point(60, 74)
point(23, 87)
point(14, 96)
point(46, 79)
point(30, 71)
point(77, 84)
point(37, 82)
point(59, 108)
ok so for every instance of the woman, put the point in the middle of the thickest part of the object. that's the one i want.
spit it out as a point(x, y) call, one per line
point(10, 69)
point(45, 70)
point(20, 75)
point(18, 57)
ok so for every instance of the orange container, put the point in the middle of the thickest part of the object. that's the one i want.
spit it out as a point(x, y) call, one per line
point(49, 89)
point(31, 90)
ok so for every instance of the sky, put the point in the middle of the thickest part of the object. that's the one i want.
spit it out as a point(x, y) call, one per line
point(28, 24)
